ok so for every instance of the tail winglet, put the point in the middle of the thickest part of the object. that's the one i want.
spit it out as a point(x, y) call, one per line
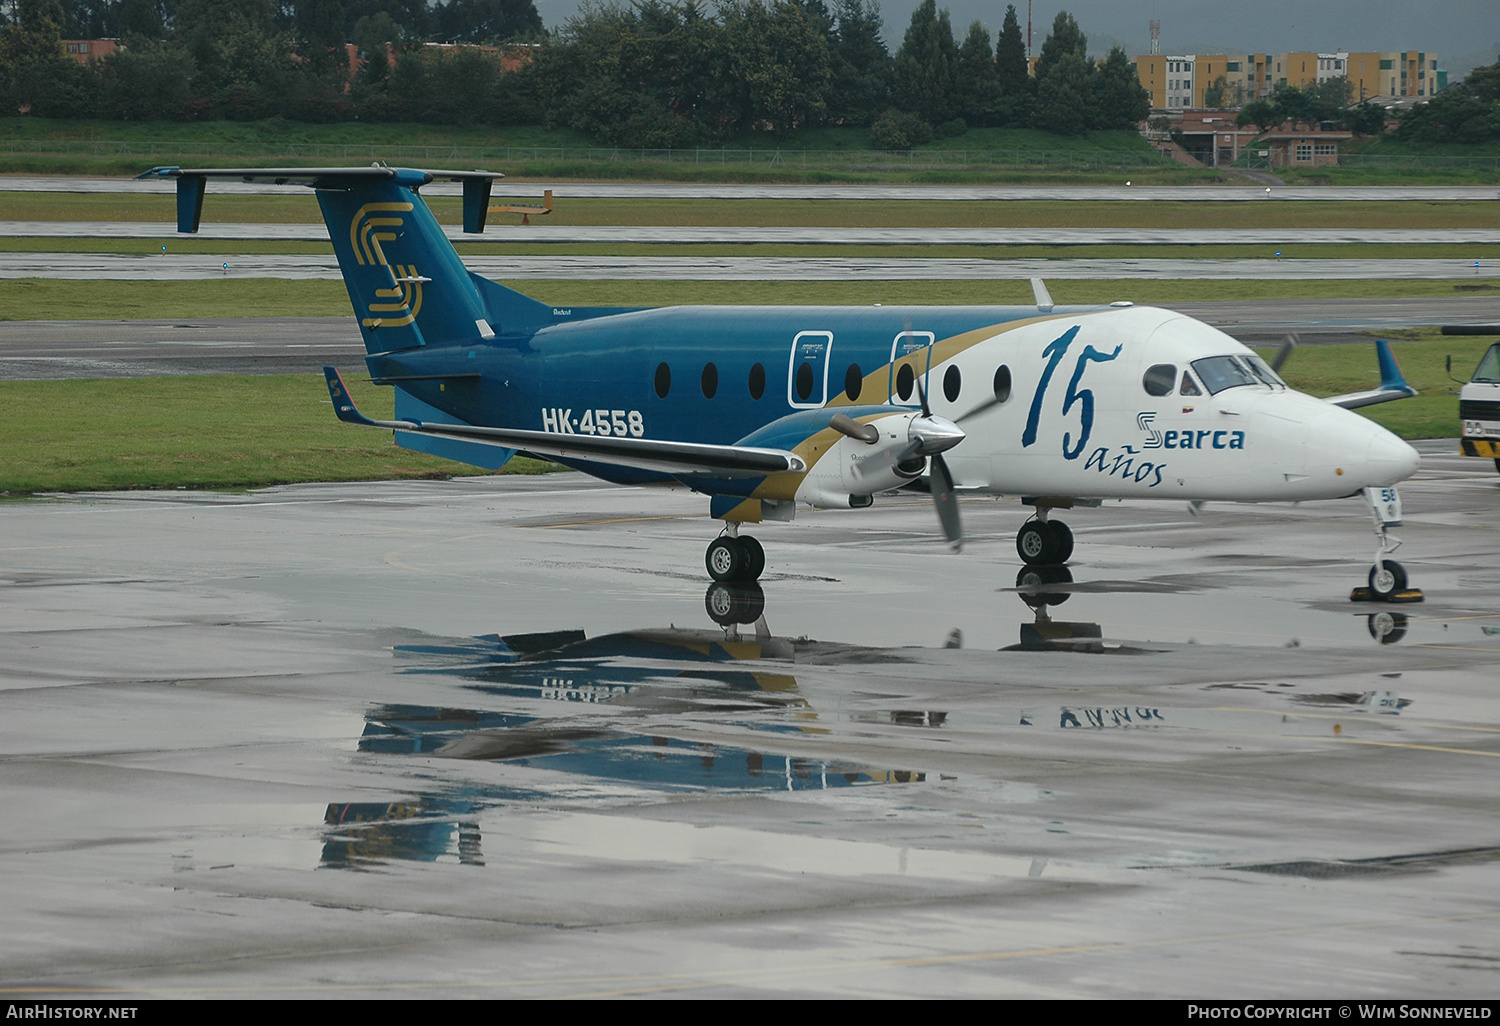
point(1391, 377)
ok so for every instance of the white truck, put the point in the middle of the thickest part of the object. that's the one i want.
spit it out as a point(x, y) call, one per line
point(1479, 408)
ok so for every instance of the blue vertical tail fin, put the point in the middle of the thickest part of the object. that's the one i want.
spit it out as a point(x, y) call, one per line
point(407, 284)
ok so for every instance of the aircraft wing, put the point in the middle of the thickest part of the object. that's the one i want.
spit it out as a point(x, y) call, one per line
point(639, 453)
point(1393, 384)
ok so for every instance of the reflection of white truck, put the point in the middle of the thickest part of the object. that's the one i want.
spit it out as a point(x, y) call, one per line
point(1479, 408)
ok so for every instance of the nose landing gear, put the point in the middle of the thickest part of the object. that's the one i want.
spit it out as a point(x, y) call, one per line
point(734, 557)
point(1387, 578)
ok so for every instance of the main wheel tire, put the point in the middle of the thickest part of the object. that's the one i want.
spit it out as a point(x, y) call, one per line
point(729, 604)
point(1063, 536)
point(755, 558)
point(725, 559)
point(1036, 544)
point(1387, 578)
point(1032, 580)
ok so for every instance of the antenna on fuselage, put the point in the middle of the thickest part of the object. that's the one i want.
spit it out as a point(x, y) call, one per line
point(1043, 297)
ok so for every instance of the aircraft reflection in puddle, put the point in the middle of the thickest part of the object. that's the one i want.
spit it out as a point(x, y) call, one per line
point(541, 693)
point(648, 675)
point(1043, 586)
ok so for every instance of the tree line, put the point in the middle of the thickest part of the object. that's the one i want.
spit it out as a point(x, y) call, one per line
point(649, 73)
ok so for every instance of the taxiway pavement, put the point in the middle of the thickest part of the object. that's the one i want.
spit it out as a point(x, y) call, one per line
point(875, 193)
point(197, 267)
point(270, 743)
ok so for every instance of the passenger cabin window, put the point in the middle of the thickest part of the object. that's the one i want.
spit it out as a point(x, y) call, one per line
point(663, 380)
point(854, 382)
point(1002, 383)
point(804, 381)
point(952, 384)
point(757, 381)
point(905, 379)
point(710, 381)
point(1158, 380)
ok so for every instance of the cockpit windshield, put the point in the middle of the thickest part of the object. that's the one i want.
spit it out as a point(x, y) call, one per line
point(1489, 366)
point(1220, 372)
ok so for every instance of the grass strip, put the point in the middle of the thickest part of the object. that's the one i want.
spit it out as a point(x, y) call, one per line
point(41, 299)
point(202, 431)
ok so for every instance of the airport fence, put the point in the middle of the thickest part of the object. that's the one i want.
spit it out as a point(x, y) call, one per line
point(769, 157)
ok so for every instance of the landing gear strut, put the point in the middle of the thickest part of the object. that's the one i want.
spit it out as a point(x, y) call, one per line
point(1044, 542)
point(1386, 577)
point(732, 557)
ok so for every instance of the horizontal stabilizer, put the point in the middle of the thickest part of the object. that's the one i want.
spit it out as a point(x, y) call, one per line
point(1393, 384)
point(191, 182)
point(639, 453)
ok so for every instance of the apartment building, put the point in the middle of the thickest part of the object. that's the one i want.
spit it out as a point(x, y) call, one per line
point(1191, 81)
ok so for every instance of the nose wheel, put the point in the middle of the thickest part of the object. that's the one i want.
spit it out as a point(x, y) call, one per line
point(1044, 542)
point(734, 558)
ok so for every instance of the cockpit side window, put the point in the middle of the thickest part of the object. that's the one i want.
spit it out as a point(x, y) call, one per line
point(1263, 370)
point(1220, 372)
point(1189, 386)
point(1158, 380)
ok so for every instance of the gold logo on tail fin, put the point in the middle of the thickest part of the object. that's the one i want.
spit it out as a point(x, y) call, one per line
point(371, 228)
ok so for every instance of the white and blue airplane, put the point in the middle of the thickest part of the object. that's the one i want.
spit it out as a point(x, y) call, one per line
point(763, 408)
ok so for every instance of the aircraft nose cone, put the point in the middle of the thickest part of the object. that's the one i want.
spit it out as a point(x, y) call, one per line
point(1389, 460)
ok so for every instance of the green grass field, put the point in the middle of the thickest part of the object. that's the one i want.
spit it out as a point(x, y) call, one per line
point(203, 431)
point(299, 207)
point(41, 299)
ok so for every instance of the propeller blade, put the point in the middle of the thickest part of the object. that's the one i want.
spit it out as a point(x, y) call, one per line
point(922, 397)
point(1287, 345)
point(947, 506)
point(993, 401)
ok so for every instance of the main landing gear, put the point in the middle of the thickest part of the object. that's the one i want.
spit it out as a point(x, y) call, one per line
point(1044, 542)
point(734, 557)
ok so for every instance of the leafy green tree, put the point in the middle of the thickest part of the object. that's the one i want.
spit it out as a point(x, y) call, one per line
point(1365, 119)
point(1064, 79)
point(861, 63)
point(31, 53)
point(1017, 91)
point(151, 80)
point(375, 37)
point(924, 73)
point(1216, 94)
point(1261, 113)
point(978, 80)
point(777, 64)
point(487, 21)
point(1120, 102)
point(1293, 104)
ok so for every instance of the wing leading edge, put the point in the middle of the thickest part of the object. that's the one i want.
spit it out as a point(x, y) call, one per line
point(638, 453)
